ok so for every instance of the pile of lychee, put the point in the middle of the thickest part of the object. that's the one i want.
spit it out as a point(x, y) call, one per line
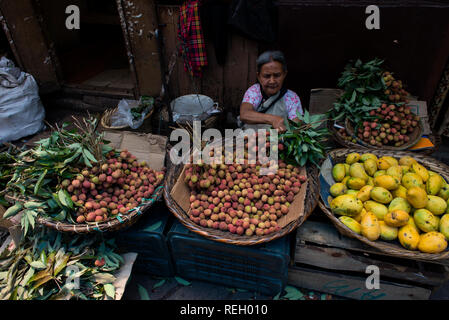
point(392, 126)
point(238, 199)
point(395, 90)
point(111, 188)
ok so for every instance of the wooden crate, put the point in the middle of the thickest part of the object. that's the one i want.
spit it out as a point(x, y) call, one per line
point(328, 262)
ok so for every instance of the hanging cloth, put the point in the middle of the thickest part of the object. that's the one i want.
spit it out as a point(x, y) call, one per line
point(190, 34)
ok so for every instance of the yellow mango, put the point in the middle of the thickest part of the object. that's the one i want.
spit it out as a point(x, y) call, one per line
point(358, 217)
point(367, 156)
point(436, 205)
point(407, 161)
point(338, 189)
point(370, 166)
point(421, 171)
point(392, 161)
point(345, 180)
point(351, 224)
point(346, 205)
point(411, 179)
point(386, 232)
point(352, 158)
point(396, 218)
point(347, 166)
point(379, 173)
point(383, 164)
point(405, 169)
point(432, 242)
point(434, 184)
point(370, 182)
point(355, 183)
point(395, 171)
point(433, 173)
point(352, 191)
point(358, 171)
point(444, 192)
point(399, 204)
point(364, 193)
point(381, 195)
point(425, 220)
point(377, 208)
point(370, 227)
point(338, 172)
point(417, 197)
point(387, 182)
point(400, 192)
point(411, 222)
point(444, 226)
point(408, 237)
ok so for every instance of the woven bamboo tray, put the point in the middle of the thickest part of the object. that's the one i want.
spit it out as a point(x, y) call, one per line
point(393, 248)
point(310, 203)
point(113, 224)
point(106, 118)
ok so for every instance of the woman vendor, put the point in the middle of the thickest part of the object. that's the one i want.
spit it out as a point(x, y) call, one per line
point(268, 103)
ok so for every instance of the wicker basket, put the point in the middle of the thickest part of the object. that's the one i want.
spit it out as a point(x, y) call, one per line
point(393, 248)
point(311, 201)
point(106, 118)
point(114, 224)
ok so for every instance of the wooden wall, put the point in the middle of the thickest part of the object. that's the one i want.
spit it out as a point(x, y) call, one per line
point(225, 84)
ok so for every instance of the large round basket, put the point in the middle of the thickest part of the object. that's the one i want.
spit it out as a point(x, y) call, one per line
point(106, 119)
point(114, 224)
point(393, 248)
point(310, 203)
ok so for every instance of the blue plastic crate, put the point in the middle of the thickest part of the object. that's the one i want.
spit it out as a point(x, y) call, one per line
point(147, 238)
point(262, 269)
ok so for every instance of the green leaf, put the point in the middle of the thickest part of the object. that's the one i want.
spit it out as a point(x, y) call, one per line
point(110, 290)
point(293, 293)
point(65, 199)
point(159, 284)
point(182, 281)
point(39, 181)
point(38, 265)
point(89, 155)
point(143, 293)
point(12, 211)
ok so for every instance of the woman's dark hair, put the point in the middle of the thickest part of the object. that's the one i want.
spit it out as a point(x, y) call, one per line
point(269, 56)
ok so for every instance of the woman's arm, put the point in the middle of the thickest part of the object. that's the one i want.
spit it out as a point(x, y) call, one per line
point(250, 116)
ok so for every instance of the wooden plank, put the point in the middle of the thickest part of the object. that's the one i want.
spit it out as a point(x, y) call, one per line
point(142, 28)
point(326, 234)
point(353, 287)
point(343, 260)
point(213, 77)
point(22, 26)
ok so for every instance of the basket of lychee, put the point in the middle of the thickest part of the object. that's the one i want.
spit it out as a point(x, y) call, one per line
point(390, 127)
point(108, 196)
point(235, 204)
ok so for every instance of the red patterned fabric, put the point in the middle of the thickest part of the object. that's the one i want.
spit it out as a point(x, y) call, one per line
point(193, 48)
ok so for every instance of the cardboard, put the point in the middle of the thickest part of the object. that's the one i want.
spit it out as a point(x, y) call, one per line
point(181, 194)
point(146, 147)
point(322, 99)
point(420, 108)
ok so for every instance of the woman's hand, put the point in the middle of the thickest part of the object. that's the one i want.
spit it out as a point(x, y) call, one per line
point(278, 123)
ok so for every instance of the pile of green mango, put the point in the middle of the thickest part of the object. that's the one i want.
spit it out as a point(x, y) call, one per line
point(392, 199)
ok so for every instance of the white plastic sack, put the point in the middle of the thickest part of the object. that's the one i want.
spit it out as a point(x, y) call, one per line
point(123, 116)
point(21, 110)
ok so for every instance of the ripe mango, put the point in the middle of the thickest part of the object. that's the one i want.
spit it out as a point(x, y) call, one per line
point(345, 180)
point(379, 173)
point(407, 161)
point(383, 164)
point(351, 224)
point(355, 183)
point(364, 193)
point(395, 171)
point(399, 204)
point(433, 173)
point(358, 171)
point(421, 171)
point(347, 166)
point(444, 226)
point(377, 208)
point(338, 189)
point(386, 232)
point(444, 192)
point(338, 172)
point(352, 191)
point(346, 205)
point(432, 242)
point(370, 226)
point(367, 156)
point(411, 222)
point(396, 218)
point(370, 166)
point(436, 205)
point(370, 182)
point(408, 237)
point(400, 192)
point(352, 158)
point(405, 169)
point(359, 217)
point(390, 160)
point(381, 195)
point(417, 197)
point(434, 184)
point(387, 182)
point(425, 220)
point(411, 179)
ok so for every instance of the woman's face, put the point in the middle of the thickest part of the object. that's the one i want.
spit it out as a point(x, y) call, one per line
point(271, 77)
